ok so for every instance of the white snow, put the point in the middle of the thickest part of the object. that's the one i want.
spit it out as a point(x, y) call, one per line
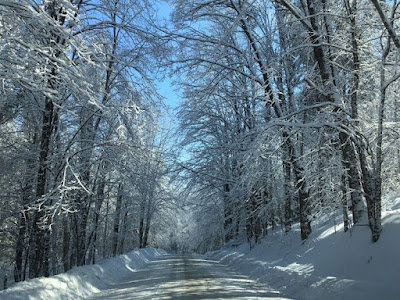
point(81, 282)
point(328, 266)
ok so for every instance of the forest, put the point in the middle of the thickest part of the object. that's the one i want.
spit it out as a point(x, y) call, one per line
point(288, 112)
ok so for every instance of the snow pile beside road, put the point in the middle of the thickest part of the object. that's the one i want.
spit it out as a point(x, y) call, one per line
point(81, 282)
point(329, 265)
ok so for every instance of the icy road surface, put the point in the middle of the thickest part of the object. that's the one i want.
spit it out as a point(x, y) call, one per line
point(181, 277)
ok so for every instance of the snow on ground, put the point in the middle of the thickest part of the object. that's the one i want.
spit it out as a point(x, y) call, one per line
point(328, 266)
point(81, 282)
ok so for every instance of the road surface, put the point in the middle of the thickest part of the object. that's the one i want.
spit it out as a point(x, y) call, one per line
point(181, 277)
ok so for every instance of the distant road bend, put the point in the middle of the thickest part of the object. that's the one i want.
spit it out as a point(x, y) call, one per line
point(182, 277)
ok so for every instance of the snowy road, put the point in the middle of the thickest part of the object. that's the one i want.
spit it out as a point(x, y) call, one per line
point(180, 277)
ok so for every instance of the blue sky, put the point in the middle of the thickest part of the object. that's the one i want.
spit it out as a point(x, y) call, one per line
point(165, 87)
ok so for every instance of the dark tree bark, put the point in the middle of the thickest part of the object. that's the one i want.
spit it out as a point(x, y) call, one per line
point(147, 230)
point(346, 222)
point(228, 214)
point(20, 246)
point(288, 213)
point(38, 266)
point(117, 217)
point(66, 258)
point(98, 205)
point(124, 231)
point(141, 223)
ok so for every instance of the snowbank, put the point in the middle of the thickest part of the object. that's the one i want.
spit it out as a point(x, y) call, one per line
point(81, 282)
point(328, 266)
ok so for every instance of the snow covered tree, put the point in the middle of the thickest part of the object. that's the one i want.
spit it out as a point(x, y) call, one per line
point(78, 95)
point(313, 85)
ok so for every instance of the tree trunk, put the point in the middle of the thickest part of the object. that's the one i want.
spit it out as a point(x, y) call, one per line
point(249, 221)
point(350, 165)
point(288, 197)
point(346, 223)
point(66, 244)
point(141, 223)
point(20, 246)
point(124, 230)
point(22, 243)
point(82, 237)
point(228, 214)
point(75, 240)
point(148, 219)
point(373, 197)
point(117, 216)
point(37, 257)
point(350, 159)
point(303, 194)
point(305, 221)
point(146, 232)
point(39, 239)
point(99, 203)
point(106, 229)
point(54, 251)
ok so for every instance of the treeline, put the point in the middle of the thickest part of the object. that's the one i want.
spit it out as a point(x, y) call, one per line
point(291, 112)
point(81, 155)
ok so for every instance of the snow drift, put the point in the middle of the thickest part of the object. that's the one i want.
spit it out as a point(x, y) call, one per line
point(81, 282)
point(327, 266)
